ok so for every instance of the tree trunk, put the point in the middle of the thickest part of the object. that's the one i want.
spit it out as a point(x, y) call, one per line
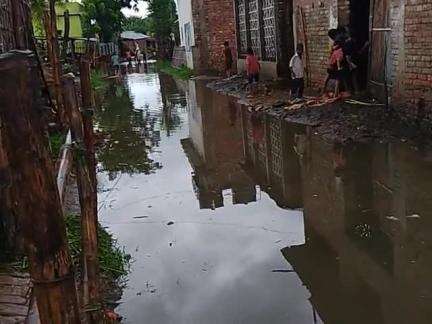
point(37, 201)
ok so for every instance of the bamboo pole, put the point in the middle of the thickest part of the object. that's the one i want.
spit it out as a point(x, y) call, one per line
point(37, 201)
point(89, 223)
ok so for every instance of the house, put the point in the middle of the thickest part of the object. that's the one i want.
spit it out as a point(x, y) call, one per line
point(75, 10)
point(204, 27)
point(266, 27)
point(75, 17)
point(146, 43)
point(398, 65)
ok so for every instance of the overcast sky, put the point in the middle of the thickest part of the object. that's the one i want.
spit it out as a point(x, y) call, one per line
point(142, 10)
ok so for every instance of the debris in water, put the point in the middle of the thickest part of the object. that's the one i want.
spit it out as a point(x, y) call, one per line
point(392, 218)
point(170, 223)
point(282, 270)
point(278, 241)
point(413, 216)
point(139, 217)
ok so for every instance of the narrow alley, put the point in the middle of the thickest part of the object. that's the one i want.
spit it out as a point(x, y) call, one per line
point(234, 219)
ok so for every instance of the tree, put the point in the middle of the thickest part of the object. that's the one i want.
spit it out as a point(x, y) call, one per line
point(164, 15)
point(139, 25)
point(104, 17)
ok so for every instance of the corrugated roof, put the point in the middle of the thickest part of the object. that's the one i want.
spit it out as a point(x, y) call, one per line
point(133, 35)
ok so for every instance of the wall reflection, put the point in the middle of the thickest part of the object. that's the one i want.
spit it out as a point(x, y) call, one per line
point(368, 255)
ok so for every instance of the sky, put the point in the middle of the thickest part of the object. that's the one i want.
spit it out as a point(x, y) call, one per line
point(142, 10)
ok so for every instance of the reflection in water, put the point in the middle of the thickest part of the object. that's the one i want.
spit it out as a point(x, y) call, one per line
point(131, 135)
point(352, 221)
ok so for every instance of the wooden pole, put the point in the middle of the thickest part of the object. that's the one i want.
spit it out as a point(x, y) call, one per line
point(54, 54)
point(37, 201)
point(87, 195)
point(66, 33)
point(87, 116)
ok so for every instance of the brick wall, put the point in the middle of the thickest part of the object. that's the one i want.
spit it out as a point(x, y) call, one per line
point(316, 17)
point(214, 23)
point(417, 78)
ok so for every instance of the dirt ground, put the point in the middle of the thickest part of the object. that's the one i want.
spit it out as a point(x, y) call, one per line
point(344, 120)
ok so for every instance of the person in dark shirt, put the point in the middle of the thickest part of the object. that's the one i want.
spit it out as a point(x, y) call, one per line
point(228, 59)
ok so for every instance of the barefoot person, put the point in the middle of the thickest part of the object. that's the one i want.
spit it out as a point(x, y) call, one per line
point(297, 73)
point(228, 59)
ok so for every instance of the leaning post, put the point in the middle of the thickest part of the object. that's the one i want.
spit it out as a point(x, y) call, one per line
point(90, 273)
point(37, 199)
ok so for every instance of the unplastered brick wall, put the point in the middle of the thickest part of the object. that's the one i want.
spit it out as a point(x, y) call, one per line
point(222, 25)
point(343, 12)
point(418, 51)
point(216, 22)
point(315, 16)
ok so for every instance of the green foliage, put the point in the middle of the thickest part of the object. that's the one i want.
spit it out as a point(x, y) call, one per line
point(182, 72)
point(107, 16)
point(164, 15)
point(139, 25)
point(98, 83)
point(56, 141)
point(113, 261)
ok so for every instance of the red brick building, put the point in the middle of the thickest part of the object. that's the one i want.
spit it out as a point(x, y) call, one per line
point(400, 36)
point(204, 27)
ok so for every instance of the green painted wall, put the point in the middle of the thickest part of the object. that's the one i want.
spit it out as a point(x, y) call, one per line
point(75, 12)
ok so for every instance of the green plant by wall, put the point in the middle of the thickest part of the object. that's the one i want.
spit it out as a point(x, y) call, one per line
point(183, 72)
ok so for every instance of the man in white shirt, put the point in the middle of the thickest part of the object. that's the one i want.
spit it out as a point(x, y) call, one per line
point(297, 73)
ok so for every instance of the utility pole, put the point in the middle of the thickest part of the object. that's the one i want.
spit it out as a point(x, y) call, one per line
point(37, 198)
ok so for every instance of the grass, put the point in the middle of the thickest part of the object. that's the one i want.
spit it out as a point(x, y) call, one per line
point(113, 261)
point(98, 83)
point(183, 72)
point(56, 140)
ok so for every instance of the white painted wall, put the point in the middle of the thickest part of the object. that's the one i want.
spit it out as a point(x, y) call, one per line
point(187, 35)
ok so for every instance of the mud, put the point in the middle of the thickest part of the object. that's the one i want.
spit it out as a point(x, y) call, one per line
point(345, 120)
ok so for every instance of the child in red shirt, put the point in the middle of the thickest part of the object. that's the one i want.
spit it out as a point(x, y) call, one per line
point(252, 66)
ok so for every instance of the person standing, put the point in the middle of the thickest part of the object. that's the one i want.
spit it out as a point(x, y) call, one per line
point(228, 59)
point(252, 66)
point(297, 73)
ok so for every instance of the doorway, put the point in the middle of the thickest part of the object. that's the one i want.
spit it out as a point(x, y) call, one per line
point(360, 32)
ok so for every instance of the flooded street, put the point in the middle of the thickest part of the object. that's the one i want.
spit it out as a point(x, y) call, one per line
point(234, 217)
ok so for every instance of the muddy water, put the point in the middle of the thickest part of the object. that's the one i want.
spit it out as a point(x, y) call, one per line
point(233, 217)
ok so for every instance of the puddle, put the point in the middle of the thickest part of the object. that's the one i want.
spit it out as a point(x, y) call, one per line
point(218, 206)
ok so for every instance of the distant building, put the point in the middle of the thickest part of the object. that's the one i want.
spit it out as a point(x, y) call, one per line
point(75, 17)
point(204, 27)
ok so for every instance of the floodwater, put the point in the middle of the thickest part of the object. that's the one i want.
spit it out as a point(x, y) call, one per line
point(232, 217)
